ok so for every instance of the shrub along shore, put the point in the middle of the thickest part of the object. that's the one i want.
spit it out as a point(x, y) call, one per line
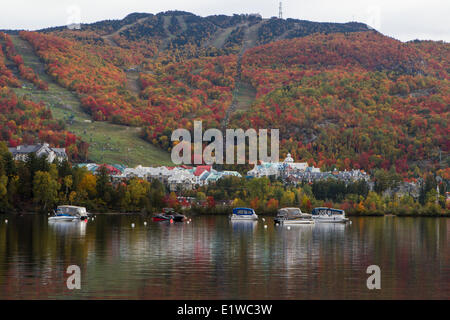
point(38, 186)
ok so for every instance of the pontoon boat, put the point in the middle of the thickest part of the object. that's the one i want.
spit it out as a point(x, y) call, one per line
point(331, 215)
point(292, 216)
point(69, 213)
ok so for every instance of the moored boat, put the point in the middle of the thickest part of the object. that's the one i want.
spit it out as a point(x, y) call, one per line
point(69, 213)
point(177, 217)
point(292, 216)
point(169, 214)
point(330, 215)
point(162, 217)
point(243, 214)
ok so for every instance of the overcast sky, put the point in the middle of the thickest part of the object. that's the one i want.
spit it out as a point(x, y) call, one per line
point(402, 19)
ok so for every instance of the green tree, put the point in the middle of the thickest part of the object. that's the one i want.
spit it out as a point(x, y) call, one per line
point(45, 189)
point(3, 193)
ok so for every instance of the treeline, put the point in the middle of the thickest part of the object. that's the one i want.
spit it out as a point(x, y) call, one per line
point(38, 186)
point(266, 196)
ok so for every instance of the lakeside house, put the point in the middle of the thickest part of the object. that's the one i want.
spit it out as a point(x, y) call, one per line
point(22, 152)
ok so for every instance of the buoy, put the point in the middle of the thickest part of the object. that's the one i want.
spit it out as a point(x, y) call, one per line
point(188, 222)
point(263, 219)
point(6, 220)
point(132, 225)
point(145, 223)
point(171, 220)
point(265, 226)
point(289, 228)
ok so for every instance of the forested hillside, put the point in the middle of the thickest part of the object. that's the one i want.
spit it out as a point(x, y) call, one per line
point(342, 95)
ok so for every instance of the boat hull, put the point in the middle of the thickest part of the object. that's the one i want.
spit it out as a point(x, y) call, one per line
point(179, 218)
point(294, 222)
point(330, 219)
point(159, 219)
point(63, 219)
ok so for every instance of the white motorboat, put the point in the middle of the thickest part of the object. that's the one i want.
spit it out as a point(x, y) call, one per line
point(69, 213)
point(329, 215)
point(292, 216)
point(243, 214)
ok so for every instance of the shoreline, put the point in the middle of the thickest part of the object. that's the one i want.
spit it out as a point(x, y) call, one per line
point(194, 213)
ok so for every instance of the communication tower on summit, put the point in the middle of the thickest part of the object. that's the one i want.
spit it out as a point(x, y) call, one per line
point(280, 12)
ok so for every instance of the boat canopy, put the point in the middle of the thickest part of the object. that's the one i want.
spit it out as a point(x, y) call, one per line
point(289, 212)
point(243, 211)
point(72, 210)
point(328, 211)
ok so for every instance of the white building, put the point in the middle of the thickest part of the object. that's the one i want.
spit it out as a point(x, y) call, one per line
point(182, 179)
point(276, 169)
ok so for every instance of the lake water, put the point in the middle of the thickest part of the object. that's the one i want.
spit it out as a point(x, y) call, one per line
point(212, 258)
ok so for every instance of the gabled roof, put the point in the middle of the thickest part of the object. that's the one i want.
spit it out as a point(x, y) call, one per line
point(25, 149)
point(35, 148)
point(200, 169)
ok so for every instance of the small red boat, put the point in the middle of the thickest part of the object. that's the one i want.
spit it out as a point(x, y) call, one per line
point(162, 217)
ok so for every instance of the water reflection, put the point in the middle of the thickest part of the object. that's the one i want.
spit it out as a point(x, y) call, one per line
point(213, 258)
point(243, 226)
point(74, 228)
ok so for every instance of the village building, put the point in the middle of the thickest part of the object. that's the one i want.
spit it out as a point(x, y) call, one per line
point(22, 152)
point(277, 169)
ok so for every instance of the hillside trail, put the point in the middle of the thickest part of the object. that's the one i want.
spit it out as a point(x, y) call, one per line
point(132, 75)
point(56, 93)
point(219, 38)
point(109, 38)
point(128, 147)
point(243, 93)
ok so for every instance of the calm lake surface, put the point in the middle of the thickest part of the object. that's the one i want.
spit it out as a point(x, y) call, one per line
point(212, 258)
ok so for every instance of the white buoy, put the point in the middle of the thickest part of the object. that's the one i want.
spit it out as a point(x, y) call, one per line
point(145, 223)
point(6, 220)
point(289, 228)
point(132, 225)
point(265, 226)
point(263, 219)
point(188, 222)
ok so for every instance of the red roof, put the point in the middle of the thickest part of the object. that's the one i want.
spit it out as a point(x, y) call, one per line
point(111, 169)
point(200, 169)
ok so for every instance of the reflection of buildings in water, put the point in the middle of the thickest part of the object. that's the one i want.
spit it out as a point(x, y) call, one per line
point(69, 227)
